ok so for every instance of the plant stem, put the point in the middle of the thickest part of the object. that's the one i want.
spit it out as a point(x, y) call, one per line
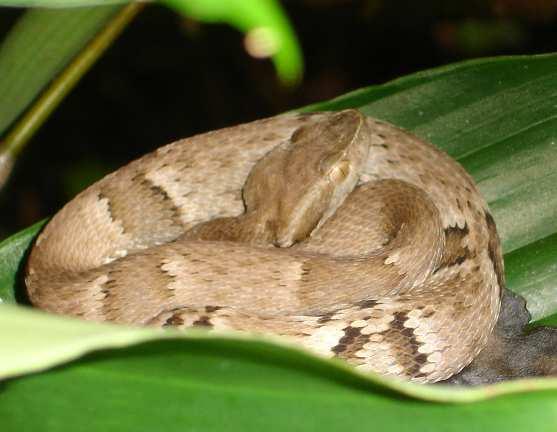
point(49, 100)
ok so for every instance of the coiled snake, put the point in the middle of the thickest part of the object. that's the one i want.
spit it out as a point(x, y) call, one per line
point(339, 232)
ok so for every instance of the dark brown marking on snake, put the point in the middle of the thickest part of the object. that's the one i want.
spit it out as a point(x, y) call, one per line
point(211, 309)
point(203, 321)
point(175, 320)
point(110, 304)
point(407, 354)
point(157, 190)
point(115, 299)
point(352, 341)
point(159, 193)
point(367, 304)
point(454, 253)
point(133, 217)
point(457, 231)
point(398, 321)
point(325, 318)
point(422, 359)
point(305, 271)
point(494, 252)
point(160, 267)
point(107, 288)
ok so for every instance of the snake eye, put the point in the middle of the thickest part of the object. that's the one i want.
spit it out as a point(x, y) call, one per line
point(339, 171)
point(331, 162)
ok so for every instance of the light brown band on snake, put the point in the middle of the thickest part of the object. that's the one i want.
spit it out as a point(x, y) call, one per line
point(339, 232)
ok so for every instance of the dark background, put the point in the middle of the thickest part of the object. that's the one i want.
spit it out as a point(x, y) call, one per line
point(168, 77)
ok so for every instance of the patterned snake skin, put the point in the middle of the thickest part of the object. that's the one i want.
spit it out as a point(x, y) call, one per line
point(339, 232)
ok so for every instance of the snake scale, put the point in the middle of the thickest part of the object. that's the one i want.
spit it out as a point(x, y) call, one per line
point(336, 231)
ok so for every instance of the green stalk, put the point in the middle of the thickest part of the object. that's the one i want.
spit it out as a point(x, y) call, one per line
point(49, 100)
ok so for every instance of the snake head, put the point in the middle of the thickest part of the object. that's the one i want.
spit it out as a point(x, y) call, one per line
point(300, 184)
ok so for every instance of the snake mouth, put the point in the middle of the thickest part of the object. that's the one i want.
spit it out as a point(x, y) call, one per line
point(283, 243)
point(293, 234)
point(316, 206)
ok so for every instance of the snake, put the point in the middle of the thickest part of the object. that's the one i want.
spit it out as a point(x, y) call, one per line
point(337, 232)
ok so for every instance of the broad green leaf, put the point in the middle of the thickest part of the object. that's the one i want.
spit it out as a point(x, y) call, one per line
point(12, 259)
point(532, 273)
point(39, 46)
point(550, 321)
point(205, 383)
point(496, 117)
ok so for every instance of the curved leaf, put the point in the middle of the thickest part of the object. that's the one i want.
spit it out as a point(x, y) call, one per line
point(12, 258)
point(264, 23)
point(218, 383)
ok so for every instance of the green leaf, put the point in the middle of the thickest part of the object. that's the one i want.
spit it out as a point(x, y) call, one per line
point(198, 383)
point(46, 83)
point(39, 46)
point(12, 258)
point(532, 272)
point(262, 20)
point(550, 321)
point(496, 116)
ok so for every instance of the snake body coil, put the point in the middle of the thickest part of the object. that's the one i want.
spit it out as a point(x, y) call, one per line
point(339, 232)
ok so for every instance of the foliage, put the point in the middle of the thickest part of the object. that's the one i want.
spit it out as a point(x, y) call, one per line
point(497, 117)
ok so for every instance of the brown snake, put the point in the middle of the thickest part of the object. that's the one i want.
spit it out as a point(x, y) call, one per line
point(339, 232)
